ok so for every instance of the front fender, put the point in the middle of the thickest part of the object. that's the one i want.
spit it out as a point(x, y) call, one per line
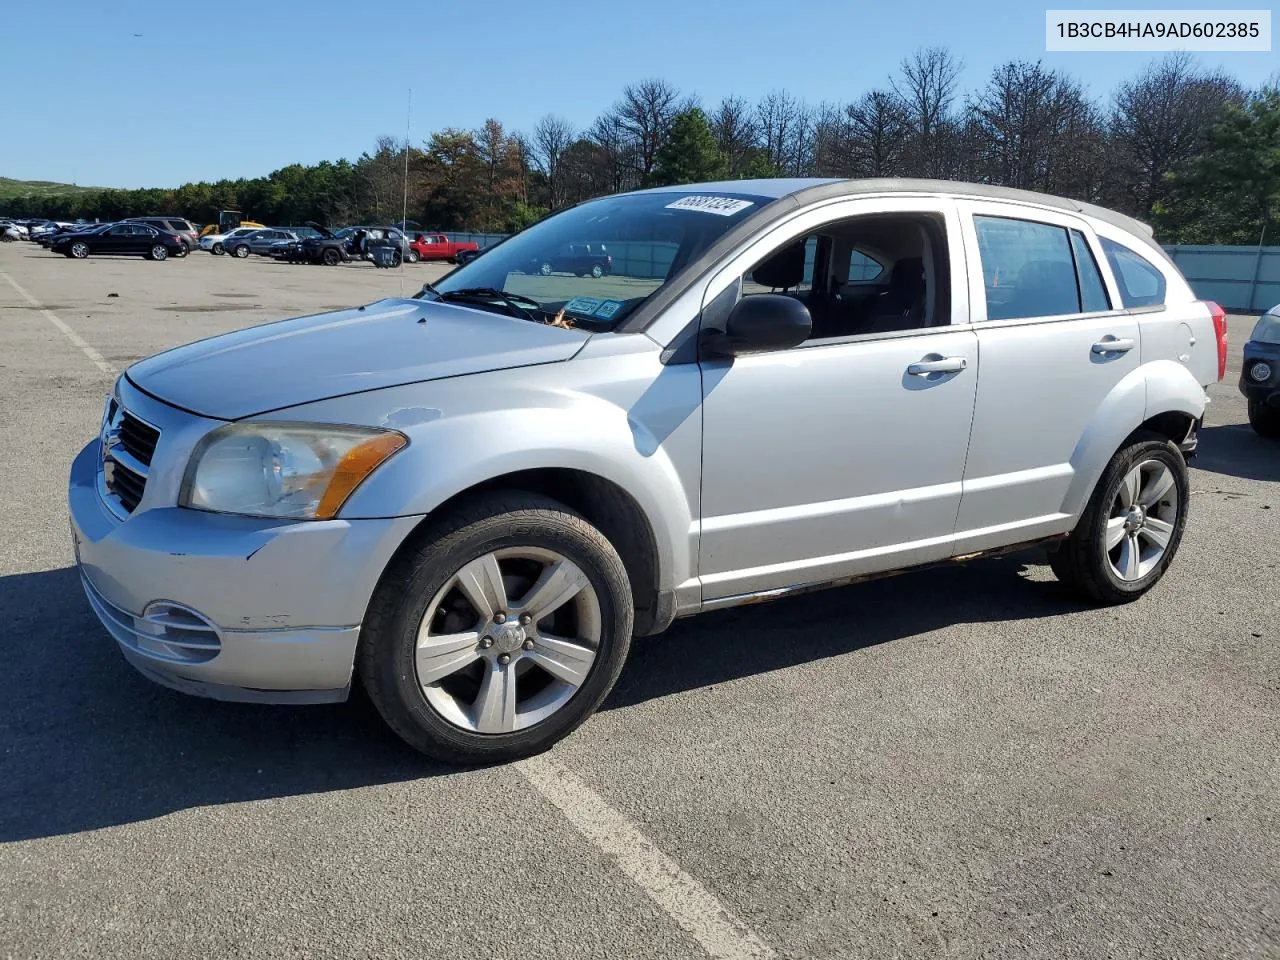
point(1161, 386)
point(472, 430)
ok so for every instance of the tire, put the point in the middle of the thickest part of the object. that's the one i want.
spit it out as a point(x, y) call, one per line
point(241, 252)
point(186, 249)
point(1136, 561)
point(79, 251)
point(216, 250)
point(443, 718)
point(412, 257)
point(396, 259)
point(1264, 419)
point(597, 271)
point(330, 257)
point(545, 269)
point(158, 252)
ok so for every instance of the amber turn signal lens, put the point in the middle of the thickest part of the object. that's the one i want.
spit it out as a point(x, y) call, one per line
point(356, 464)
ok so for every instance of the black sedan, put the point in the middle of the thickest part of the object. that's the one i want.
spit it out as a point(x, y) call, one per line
point(120, 239)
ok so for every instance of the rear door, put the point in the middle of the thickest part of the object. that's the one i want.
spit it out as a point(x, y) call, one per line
point(1054, 344)
point(141, 238)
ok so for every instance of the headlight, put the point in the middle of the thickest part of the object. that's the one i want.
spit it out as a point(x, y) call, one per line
point(288, 470)
point(1267, 329)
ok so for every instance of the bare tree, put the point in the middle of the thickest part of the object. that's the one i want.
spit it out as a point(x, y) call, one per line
point(552, 136)
point(927, 89)
point(782, 122)
point(1158, 122)
point(616, 156)
point(829, 148)
point(1026, 122)
point(735, 131)
point(877, 129)
point(645, 113)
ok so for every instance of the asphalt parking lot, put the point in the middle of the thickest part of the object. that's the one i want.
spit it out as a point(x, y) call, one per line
point(958, 762)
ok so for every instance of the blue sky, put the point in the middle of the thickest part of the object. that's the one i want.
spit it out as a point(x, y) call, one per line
point(216, 89)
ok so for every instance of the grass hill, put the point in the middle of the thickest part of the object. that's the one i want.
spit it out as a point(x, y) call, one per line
point(9, 188)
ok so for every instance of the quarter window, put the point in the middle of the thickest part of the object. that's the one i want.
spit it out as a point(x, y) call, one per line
point(1029, 269)
point(1140, 283)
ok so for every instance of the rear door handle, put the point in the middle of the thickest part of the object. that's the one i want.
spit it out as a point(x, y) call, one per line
point(1112, 345)
point(922, 368)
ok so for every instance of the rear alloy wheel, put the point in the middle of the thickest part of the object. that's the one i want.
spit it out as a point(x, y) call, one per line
point(1131, 529)
point(545, 269)
point(1264, 419)
point(500, 633)
point(158, 252)
point(412, 256)
point(330, 257)
point(79, 250)
point(597, 271)
point(241, 251)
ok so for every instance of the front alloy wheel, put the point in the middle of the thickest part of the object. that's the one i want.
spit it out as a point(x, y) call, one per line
point(508, 640)
point(79, 250)
point(499, 633)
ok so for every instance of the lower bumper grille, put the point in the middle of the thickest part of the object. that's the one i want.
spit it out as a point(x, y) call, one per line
point(165, 631)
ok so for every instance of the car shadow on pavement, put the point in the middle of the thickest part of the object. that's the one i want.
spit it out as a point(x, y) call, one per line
point(1234, 450)
point(88, 743)
point(742, 641)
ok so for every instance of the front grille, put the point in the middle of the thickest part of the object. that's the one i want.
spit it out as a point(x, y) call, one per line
point(138, 439)
point(128, 446)
point(125, 484)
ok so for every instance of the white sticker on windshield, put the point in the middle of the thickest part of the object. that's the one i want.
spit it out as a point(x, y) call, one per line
point(720, 206)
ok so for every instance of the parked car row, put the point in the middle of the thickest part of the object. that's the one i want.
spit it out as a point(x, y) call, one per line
point(159, 237)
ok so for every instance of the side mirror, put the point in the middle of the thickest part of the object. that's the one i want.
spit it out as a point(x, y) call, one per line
point(761, 323)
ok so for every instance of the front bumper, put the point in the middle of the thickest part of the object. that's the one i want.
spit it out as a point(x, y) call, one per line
point(1267, 390)
point(234, 608)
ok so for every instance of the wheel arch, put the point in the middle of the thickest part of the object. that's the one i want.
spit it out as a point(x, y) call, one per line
point(607, 506)
point(1162, 397)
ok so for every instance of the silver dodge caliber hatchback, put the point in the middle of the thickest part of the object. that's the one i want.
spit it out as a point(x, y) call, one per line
point(473, 499)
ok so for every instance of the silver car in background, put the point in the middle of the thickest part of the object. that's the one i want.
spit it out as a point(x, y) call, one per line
point(472, 499)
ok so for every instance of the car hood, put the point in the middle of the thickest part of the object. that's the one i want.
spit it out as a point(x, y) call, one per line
point(384, 344)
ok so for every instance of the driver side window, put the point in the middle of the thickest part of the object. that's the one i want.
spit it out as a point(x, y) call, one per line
point(874, 274)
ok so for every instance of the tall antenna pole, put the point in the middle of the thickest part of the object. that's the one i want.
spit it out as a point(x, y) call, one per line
point(404, 209)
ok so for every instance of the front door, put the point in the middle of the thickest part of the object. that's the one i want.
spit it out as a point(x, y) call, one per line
point(844, 455)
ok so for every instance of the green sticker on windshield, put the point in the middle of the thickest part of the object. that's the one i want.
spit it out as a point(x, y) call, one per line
point(608, 308)
point(583, 305)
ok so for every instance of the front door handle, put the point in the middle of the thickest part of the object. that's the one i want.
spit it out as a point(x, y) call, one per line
point(1113, 345)
point(923, 368)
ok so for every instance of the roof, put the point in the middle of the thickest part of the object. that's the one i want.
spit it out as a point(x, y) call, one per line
point(808, 189)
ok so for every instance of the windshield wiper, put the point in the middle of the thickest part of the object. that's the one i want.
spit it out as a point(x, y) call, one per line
point(513, 301)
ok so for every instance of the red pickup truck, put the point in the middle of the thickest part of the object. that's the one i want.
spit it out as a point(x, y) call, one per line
point(438, 246)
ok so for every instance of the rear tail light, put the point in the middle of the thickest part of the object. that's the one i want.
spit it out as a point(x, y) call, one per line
point(1220, 333)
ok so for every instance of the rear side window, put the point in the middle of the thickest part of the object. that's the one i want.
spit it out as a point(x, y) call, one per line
point(1140, 283)
point(1032, 269)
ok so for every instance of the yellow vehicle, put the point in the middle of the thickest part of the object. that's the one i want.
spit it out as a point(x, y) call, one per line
point(228, 220)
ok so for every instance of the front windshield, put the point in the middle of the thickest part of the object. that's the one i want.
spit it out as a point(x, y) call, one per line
point(593, 264)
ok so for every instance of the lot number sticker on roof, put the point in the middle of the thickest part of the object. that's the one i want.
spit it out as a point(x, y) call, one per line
point(720, 206)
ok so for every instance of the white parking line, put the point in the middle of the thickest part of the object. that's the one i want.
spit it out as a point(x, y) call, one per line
point(683, 898)
point(98, 359)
